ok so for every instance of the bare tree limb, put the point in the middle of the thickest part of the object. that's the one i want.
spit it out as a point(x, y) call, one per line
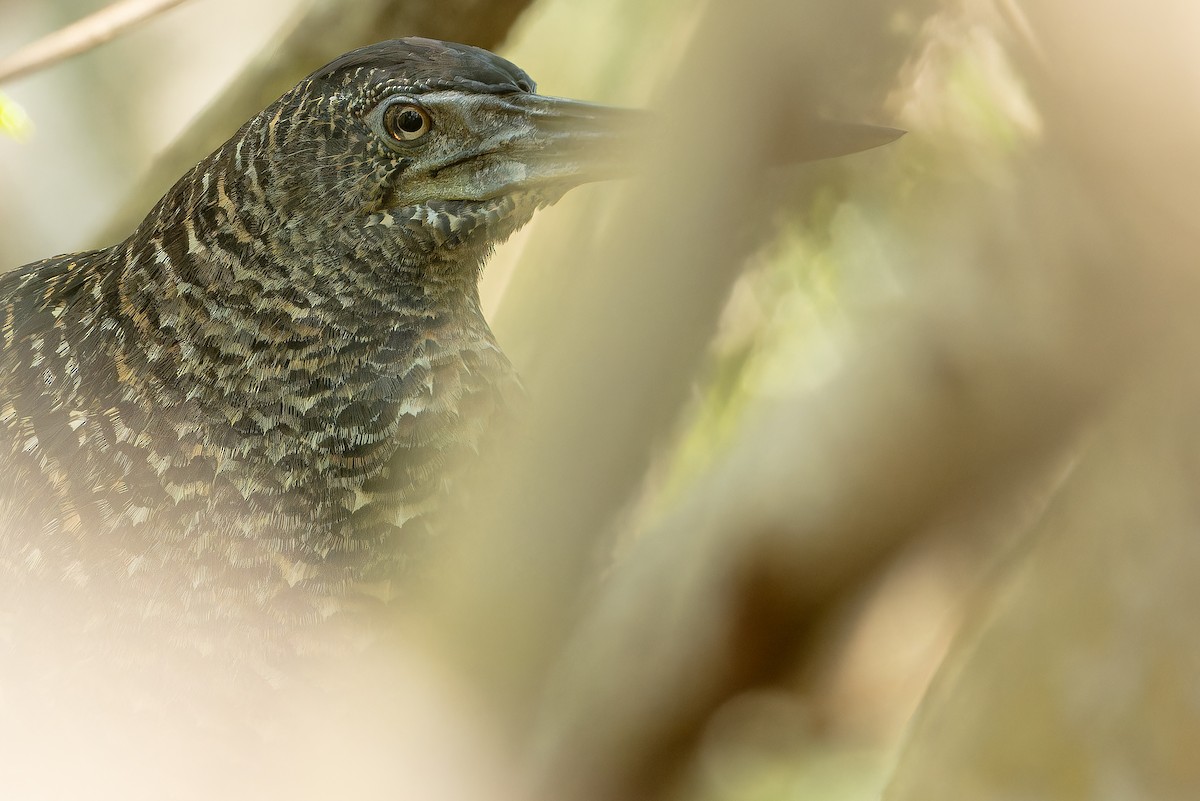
point(631, 323)
point(79, 37)
point(992, 359)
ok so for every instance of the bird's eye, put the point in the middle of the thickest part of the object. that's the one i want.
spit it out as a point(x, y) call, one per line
point(406, 122)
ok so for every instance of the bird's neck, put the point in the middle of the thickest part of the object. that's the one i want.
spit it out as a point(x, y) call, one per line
point(315, 372)
point(318, 364)
point(216, 273)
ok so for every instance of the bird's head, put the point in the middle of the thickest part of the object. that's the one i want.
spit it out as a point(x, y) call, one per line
point(410, 153)
point(432, 145)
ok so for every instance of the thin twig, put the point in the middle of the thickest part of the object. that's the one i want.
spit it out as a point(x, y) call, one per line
point(1015, 16)
point(79, 37)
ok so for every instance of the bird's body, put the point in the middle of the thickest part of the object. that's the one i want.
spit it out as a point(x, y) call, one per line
point(248, 410)
point(280, 451)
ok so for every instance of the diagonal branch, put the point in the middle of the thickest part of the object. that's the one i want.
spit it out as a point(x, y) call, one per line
point(79, 37)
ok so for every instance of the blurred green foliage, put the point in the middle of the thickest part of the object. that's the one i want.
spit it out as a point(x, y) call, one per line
point(14, 122)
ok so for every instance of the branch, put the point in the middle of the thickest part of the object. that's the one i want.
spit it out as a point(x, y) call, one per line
point(89, 32)
point(628, 325)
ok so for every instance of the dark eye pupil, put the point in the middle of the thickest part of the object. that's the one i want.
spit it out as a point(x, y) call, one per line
point(410, 121)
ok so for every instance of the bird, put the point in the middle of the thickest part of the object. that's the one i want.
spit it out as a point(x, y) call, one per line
point(259, 396)
point(247, 414)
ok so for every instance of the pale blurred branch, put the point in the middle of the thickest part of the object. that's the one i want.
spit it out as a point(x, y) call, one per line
point(1018, 20)
point(79, 37)
point(815, 498)
point(1018, 320)
point(618, 354)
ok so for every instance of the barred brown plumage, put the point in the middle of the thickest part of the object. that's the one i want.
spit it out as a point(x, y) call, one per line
point(247, 410)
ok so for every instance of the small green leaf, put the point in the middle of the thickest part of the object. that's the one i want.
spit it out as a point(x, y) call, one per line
point(14, 121)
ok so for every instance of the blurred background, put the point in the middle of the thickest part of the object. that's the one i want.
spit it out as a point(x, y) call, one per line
point(813, 442)
point(100, 119)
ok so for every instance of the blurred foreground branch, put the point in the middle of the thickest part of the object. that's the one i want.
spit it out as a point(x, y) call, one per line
point(1019, 323)
point(79, 37)
point(629, 333)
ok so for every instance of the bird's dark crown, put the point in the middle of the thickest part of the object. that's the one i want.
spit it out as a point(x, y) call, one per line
point(429, 65)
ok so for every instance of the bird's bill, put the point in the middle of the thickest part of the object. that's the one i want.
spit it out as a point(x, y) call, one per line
point(814, 139)
point(571, 142)
point(551, 144)
point(577, 142)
